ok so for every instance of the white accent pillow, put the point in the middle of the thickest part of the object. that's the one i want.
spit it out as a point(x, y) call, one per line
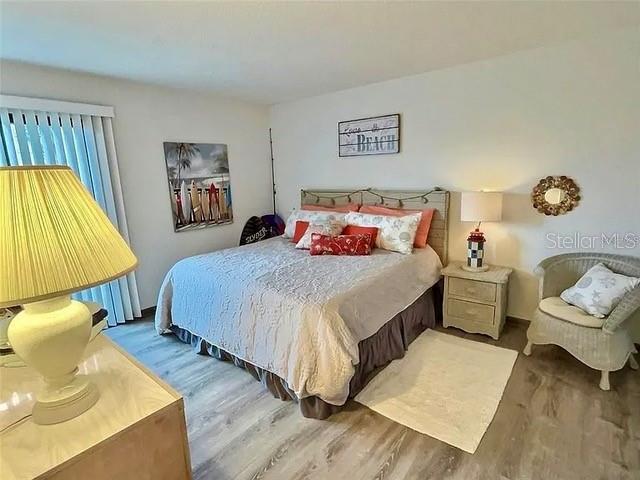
point(311, 216)
point(325, 228)
point(394, 233)
point(599, 290)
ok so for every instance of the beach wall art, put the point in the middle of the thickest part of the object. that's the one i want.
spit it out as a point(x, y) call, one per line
point(199, 184)
point(369, 136)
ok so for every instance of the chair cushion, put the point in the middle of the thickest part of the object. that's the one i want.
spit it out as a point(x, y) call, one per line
point(558, 308)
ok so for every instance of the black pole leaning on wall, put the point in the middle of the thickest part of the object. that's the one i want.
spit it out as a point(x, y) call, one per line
point(273, 177)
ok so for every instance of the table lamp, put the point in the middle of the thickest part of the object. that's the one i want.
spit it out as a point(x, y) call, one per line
point(479, 207)
point(54, 240)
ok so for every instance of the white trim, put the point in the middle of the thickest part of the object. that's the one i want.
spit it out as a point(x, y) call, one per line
point(44, 104)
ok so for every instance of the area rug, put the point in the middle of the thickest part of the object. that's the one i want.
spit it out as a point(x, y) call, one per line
point(445, 387)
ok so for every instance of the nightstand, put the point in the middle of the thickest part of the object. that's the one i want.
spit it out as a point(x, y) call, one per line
point(475, 302)
point(136, 430)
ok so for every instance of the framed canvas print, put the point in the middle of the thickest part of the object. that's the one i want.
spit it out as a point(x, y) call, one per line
point(199, 184)
point(369, 136)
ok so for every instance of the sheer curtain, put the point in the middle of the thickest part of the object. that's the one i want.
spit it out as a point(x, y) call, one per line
point(80, 136)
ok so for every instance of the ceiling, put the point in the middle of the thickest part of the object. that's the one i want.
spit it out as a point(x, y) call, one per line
point(273, 52)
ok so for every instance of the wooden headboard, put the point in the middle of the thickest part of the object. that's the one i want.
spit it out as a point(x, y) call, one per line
point(435, 198)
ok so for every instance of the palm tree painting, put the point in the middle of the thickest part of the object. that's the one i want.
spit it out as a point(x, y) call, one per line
point(199, 184)
point(180, 155)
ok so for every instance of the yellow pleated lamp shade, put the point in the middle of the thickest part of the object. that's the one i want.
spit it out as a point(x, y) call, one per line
point(54, 238)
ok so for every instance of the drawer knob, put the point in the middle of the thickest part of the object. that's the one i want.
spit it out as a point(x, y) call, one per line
point(470, 290)
point(471, 313)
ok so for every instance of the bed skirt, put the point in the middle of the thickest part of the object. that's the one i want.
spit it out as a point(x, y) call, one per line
point(377, 351)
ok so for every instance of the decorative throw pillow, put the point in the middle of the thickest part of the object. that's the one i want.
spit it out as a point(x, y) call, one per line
point(310, 216)
point(349, 207)
point(356, 230)
point(325, 228)
point(395, 233)
point(301, 227)
point(341, 245)
point(599, 290)
point(423, 227)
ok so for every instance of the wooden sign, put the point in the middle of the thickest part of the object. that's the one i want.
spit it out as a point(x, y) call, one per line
point(369, 136)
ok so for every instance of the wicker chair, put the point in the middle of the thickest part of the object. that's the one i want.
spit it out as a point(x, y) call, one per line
point(607, 348)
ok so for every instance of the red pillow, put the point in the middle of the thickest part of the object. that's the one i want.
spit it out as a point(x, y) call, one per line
point(340, 245)
point(357, 230)
point(423, 227)
point(301, 228)
point(349, 207)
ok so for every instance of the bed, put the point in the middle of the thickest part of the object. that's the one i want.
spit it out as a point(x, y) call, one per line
point(313, 329)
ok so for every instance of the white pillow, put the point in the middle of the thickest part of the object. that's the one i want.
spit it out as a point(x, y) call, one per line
point(599, 290)
point(311, 216)
point(325, 228)
point(394, 233)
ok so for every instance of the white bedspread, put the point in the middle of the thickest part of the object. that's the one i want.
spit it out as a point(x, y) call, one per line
point(293, 314)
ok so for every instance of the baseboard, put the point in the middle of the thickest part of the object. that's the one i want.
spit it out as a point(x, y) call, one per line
point(148, 312)
point(521, 321)
point(151, 311)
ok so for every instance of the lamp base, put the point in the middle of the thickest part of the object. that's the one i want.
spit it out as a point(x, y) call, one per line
point(65, 403)
point(467, 268)
point(51, 336)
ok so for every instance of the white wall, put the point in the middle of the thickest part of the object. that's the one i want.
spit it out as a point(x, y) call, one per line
point(500, 124)
point(146, 116)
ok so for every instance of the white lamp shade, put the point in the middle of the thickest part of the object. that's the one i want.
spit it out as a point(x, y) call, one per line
point(481, 207)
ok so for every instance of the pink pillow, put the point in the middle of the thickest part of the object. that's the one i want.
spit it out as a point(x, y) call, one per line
point(356, 230)
point(423, 227)
point(350, 207)
point(301, 229)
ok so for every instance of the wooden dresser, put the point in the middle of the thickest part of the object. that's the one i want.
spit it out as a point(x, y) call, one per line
point(476, 302)
point(136, 430)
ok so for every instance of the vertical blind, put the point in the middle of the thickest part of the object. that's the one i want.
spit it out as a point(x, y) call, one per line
point(86, 144)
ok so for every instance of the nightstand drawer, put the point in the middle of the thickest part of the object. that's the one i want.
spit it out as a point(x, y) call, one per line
point(476, 312)
point(481, 291)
